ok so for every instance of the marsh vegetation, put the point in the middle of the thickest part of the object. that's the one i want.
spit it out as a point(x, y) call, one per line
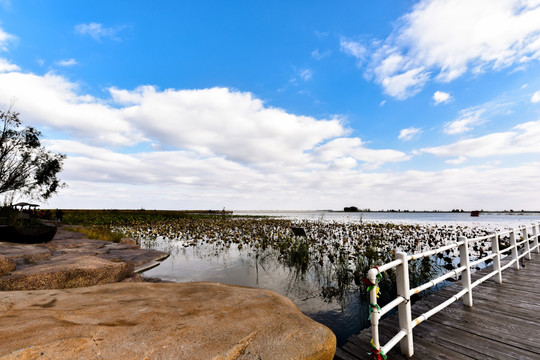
point(321, 272)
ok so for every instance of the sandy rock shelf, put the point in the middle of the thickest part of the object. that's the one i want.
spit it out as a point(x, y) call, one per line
point(70, 260)
point(75, 298)
point(158, 321)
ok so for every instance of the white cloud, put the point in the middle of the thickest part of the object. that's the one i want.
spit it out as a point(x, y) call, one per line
point(354, 148)
point(317, 55)
point(6, 66)
point(522, 139)
point(302, 74)
point(211, 123)
point(456, 161)
point(98, 31)
point(66, 62)
point(221, 121)
point(171, 180)
point(536, 97)
point(449, 38)
point(353, 48)
point(404, 84)
point(409, 133)
point(306, 74)
point(468, 118)
point(227, 148)
point(52, 101)
point(5, 38)
point(441, 97)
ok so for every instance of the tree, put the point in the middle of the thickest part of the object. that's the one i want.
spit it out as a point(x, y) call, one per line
point(26, 167)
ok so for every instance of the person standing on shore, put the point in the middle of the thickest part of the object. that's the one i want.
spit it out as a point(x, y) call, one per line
point(59, 214)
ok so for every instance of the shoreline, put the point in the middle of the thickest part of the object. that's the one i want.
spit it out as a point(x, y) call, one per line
point(115, 317)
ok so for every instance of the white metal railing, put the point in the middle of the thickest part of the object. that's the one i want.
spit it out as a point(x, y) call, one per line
point(402, 301)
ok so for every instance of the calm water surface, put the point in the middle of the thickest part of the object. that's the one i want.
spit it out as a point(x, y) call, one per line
point(344, 314)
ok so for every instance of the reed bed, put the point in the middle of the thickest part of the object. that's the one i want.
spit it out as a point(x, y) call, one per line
point(342, 252)
point(330, 260)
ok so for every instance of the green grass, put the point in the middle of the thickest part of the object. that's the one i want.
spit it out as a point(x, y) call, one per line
point(98, 233)
point(129, 217)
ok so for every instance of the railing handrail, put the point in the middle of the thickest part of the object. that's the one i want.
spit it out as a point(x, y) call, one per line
point(402, 301)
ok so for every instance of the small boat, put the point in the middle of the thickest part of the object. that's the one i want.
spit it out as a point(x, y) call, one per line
point(475, 213)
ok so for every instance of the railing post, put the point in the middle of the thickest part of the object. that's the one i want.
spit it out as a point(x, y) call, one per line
point(514, 248)
point(527, 245)
point(375, 312)
point(404, 309)
point(466, 274)
point(497, 259)
point(535, 237)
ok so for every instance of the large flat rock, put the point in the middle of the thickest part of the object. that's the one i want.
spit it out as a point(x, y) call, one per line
point(66, 272)
point(70, 260)
point(158, 321)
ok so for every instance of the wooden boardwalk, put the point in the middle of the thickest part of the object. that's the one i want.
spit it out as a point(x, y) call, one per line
point(504, 322)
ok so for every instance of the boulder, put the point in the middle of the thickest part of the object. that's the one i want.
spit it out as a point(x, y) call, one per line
point(71, 260)
point(158, 321)
point(7, 265)
point(66, 271)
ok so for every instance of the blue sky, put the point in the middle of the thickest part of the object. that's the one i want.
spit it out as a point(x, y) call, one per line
point(431, 104)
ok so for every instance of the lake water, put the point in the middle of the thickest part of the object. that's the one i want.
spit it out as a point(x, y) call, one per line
point(344, 314)
point(485, 220)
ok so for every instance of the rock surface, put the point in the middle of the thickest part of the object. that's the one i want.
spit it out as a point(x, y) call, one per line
point(67, 271)
point(71, 260)
point(158, 321)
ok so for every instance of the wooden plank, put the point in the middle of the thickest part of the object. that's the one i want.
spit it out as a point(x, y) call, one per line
point(518, 332)
point(520, 308)
point(478, 346)
point(502, 324)
point(342, 355)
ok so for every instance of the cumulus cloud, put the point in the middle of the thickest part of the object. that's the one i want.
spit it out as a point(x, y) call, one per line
point(221, 121)
point(98, 31)
point(444, 39)
point(521, 139)
point(467, 119)
point(221, 147)
point(355, 148)
point(409, 133)
point(173, 180)
point(162, 168)
point(66, 62)
point(52, 101)
point(536, 97)
point(211, 123)
point(441, 97)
